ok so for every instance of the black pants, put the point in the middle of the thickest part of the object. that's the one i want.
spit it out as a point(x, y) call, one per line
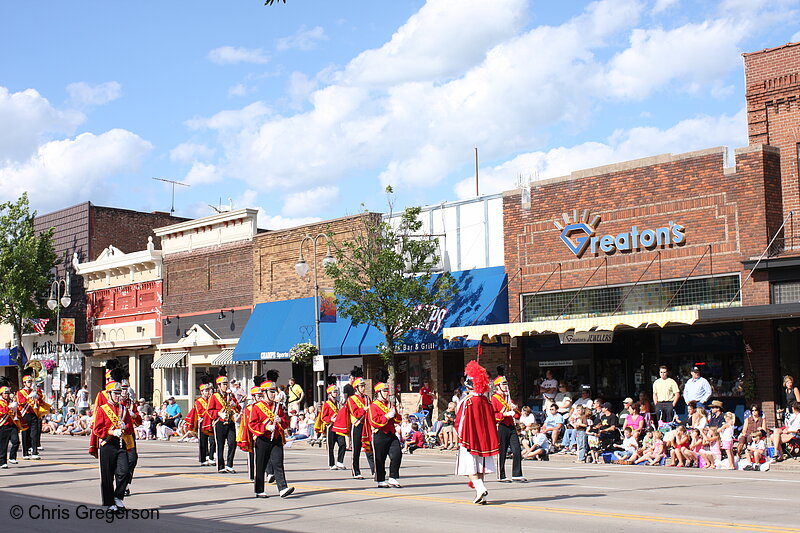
point(333, 440)
point(113, 471)
point(225, 432)
point(205, 444)
point(8, 434)
point(31, 436)
point(507, 436)
point(172, 423)
point(429, 416)
point(133, 460)
point(665, 411)
point(385, 445)
point(356, 434)
point(154, 424)
point(251, 465)
point(269, 452)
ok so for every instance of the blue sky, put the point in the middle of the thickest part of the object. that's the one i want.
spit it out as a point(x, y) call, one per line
point(309, 109)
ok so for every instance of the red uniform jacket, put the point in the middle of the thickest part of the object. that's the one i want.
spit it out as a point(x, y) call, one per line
point(328, 412)
point(378, 421)
point(244, 437)
point(341, 422)
point(357, 406)
point(217, 404)
point(109, 417)
point(7, 416)
point(262, 415)
point(476, 426)
point(500, 405)
point(200, 415)
point(100, 400)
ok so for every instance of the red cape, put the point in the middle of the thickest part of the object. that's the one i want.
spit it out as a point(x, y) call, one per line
point(476, 426)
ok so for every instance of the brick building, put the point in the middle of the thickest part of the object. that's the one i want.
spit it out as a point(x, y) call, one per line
point(208, 298)
point(672, 259)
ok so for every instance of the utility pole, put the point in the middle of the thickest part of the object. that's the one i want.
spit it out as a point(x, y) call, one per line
point(174, 183)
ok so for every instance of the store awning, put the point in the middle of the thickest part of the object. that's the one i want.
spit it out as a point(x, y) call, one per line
point(8, 356)
point(494, 332)
point(170, 360)
point(274, 327)
point(224, 358)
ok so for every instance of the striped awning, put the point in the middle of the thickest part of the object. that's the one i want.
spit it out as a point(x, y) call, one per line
point(224, 358)
point(602, 322)
point(170, 360)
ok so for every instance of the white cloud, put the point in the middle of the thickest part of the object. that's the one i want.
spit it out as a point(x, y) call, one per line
point(240, 89)
point(81, 94)
point(303, 39)
point(685, 136)
point(310, 201)
point(26, 118)
point(281, 222)
point(694, 54)
point(440, 40)
point(300, 88)
point(190, 152)
point(226, 55)
point(72, 170)
point(202, 173)
point(232, 119)
point(795, 38)
point(663, 5)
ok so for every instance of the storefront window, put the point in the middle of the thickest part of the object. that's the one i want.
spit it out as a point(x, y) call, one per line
point(788, 353)
point(176, 381)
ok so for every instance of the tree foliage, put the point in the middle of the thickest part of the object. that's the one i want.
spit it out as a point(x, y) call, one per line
point(270, 2)
point(26, 262)
point(383, 277)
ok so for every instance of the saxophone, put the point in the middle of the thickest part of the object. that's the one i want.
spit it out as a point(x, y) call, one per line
point(228, 408)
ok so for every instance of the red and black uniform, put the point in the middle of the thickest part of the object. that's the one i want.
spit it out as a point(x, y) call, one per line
point(200, 421)
point(130, 436)
point(31, 408)
point(328, 415)
point(8, 432)
point(384, 440)
point(111, 423)
point(100, 400)
point(507, 435)
point(268, 423)
point(221, 409)
point(357, 407)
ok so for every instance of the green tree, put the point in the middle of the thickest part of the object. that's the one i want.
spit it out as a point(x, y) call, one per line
point(26, 262)
point(383, 277)
point(270, 2)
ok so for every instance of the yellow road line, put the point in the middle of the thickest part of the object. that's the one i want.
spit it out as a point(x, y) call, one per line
point(390, 493)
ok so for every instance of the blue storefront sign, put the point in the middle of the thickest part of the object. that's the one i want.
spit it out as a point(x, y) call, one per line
point(9, 356)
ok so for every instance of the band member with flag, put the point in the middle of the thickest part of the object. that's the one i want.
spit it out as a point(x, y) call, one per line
point(382, 418)
point(244, 438)
point(31, 409)
point(506, 414)
point(127, 403)
point(341, 422)
point(223, 409)
point(200, 420)
point(475, 424)
point(8, 425)
point(268, 424)
point(110, 422)
point(325, 420)
point(357, 406)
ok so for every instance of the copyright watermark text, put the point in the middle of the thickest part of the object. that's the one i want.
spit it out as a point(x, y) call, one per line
point(81, 512)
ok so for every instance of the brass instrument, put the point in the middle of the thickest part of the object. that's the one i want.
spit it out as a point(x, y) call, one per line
point(228, 408)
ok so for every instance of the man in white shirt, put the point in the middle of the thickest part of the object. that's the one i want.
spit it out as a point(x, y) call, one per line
point(548, 388)
point(697, 388)
point(586, 397)
point(527, 418)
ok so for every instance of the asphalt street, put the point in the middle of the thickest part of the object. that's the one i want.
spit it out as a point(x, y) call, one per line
point(170, 492)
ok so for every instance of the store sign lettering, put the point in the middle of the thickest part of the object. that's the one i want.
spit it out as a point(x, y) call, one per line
point(581, 235)
point(50, 347)
point(586, 337)
point(435, 320)
point(274, 355)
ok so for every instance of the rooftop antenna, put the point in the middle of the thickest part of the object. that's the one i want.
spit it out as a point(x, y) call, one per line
point(223, 208)
point(174, 183)
point(477, 193)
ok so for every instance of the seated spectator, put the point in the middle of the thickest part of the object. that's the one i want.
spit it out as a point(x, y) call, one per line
point(757, 450)
point(64, 427)
point(647, 445)
point(680, 447)
point(635, 421)
point(527, 417)
point(172, 414)
point(553, 425)
point(726, 438)
point(627, 408)
point(712, 451)
point(562, 395)
point(644, 411)
point(644, 401)
point(164, 432)
point(414, 440)
point(317, 437)
point(52, 422)
point(752, 423)
point(304, 428)
point(448, 436)
point(782, 435)
point(606, 427)
point(405, 427)
point(586, 397)
point(717, 418)
point(692, 455)
point(695, 415)
point(628, 447)
point(656, 454)
point(537, 446)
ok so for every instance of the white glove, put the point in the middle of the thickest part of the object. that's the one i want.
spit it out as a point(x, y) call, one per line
point(122, 425)
point(390, 414)
point(222, 415)
point(271, 427)
point(509, 413)
point(34, 395)
point(12, 405)
point(116, 432)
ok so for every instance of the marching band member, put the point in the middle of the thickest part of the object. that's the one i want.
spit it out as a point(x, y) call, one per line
point(8, 425)
point(326, 417)
point(110, 423)
point(357, 406)
point(244, 438)
point(102, 398)
point(223, 409)
point(475, 424)
point(32, 408)
point(382, 418)
point(200, 420)
point(506, 414)
point(341, 423)
point(127, 403)
point(268, 424)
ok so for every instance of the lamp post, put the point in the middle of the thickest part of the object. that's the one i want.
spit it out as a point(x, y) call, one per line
point(56, 301)
point(302, 270)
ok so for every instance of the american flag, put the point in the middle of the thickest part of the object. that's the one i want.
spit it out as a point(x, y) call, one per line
point(38, 324)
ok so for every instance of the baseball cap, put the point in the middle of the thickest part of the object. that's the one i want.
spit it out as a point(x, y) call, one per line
point(607, 405)
point(695, 369)
point(628, 400)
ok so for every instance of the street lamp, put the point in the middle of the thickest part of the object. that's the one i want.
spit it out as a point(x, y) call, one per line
point(302, 270)
point(56, 301)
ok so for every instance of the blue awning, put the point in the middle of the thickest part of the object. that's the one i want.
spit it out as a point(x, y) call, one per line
point(8, 356)
point(274, 327)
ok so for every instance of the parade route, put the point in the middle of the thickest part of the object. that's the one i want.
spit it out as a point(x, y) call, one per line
point(171, 492)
